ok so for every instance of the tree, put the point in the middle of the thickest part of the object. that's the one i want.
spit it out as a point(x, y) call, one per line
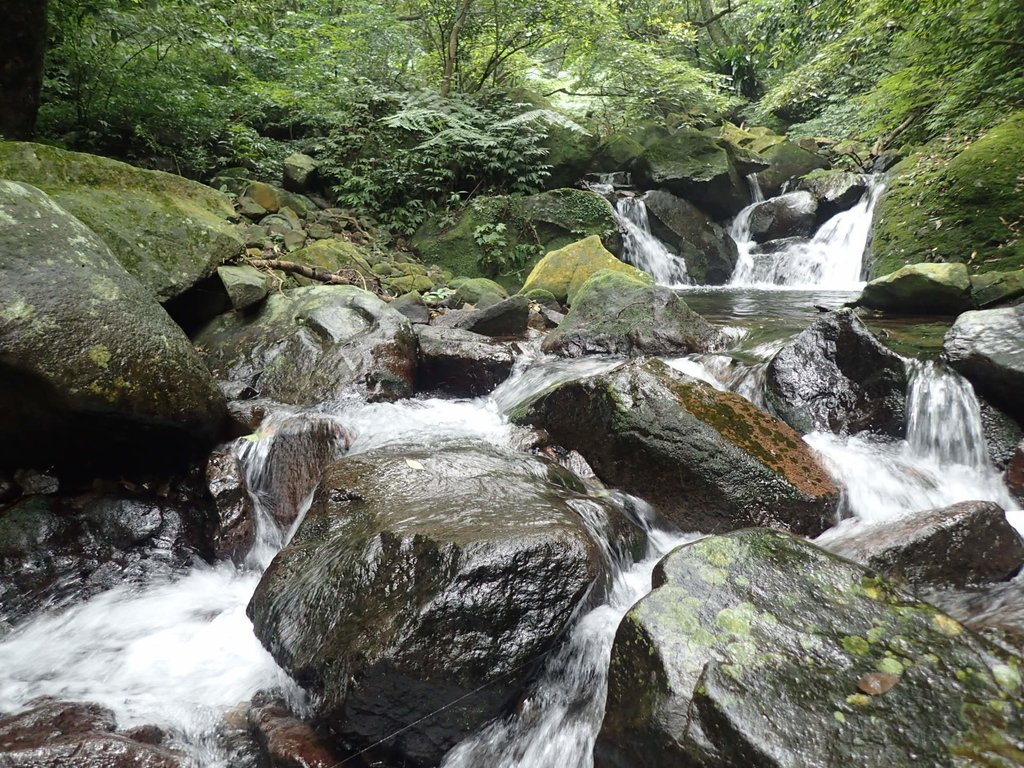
point(23, 46)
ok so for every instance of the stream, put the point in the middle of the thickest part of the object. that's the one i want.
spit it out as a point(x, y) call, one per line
point(180, 652)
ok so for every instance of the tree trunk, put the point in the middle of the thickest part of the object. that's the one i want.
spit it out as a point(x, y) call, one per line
point(711, 23)
point(22, 47)
point(452, 52)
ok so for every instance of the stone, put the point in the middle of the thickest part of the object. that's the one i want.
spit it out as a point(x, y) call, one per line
point(334, 255)
point(236, 518)
point(709, 252)
point(924, 289)
point(91, 367)
point(308, 345)
point(993, 289)
point(544, 299)
point(790, 215)
point(294, 240)
point(985, 347)
point(265, 195)
point(615, 314)
point(704, 459)
point(284, 740)
point(758, 648)
point(412, 306)
point(246, 286)
point(965, 544)
point(300, 172)
point(409, 283)
point(506, 319)
point(837, 377)
point(460, 363)
point(563, 272)
point(835, 191)
point(1015, 473)
point(166, 231)
point(786, 162)
point(414, 587)
point(480, 292)
point(250, 209)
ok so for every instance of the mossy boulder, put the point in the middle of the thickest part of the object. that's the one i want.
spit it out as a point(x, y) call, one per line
point(993, 289)
point(563, 272)
point(758, 648)
point(333, 255)
point(168, 232)
point(786, 162)
point(91, 367)
point(964, 208)
point(501, 238)
point(309, 345)
point(835, 191)
point(570, 155)
point(480, 292)
point(244, 285)
point(614, 313)
point(924, 289)
point(985, 346)
point(709, 252)
point(706, 460)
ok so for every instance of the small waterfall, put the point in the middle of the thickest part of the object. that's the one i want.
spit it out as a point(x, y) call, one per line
point(832, 259)
point(643, 250)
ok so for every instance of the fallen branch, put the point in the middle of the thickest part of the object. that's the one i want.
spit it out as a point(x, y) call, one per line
point(319, 274)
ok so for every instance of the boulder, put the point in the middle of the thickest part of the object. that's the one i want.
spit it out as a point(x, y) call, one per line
point(300, 172)
point(758, 648)
point(506, 319)
point(985, 346)
point(791, 215)
point(1002, 434)
point(563, 272)
point(837, 377)
point(246, 286)
point(614, 313)
point(993, 289)
point(1015, 473)
point(166, 231)
point(235, 531)
point(709, 252)
point(415, 598)
point(334, 255)
point(835, 191)
point(61, 733)
point(91, 367)
point(705, 459)
point(786, 162)
point(965, 544)
point(284, 740)
point(960, 208)
point(461, 363)
point(309, 345)
point(480, 292)
point(921, 289)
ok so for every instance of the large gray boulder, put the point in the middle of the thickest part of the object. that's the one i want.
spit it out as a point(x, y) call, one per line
point(308, 345)
point(422, 588)
point(986, 347)
point(835, 191)
point(836, 377)
point(706, 460)
point(709, 252)
point(790, 215)
point(461, 363)
point(91, 367)
point(922, 289)
point(759, 649)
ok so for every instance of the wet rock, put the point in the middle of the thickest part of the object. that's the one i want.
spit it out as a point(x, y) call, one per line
point(927, 289)
point(411, 305)
point(615, 314)
point(1002, 434)
point(91, 367)
point(1015, 473)
point(967, 543)
point(32, 482)
point(166, 231)
point(777, 246)
point(707, 460)
point(985, 347)
point(461, 363)
point(758, 648)
point(835, 191)
point(508, 318)
point(246, 286)
point(563, 272)
point(786, 161)
point(414, 588)
point(55, 551)
point(993, 289)
point(236, 519)
point(60, 733)
point(791, 215)
point(709, 252)
point(300, 172)
point(309, 345)
point(836, 377)
point(286, 741)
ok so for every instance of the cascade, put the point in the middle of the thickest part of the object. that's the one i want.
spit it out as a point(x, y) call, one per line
point(643, 250)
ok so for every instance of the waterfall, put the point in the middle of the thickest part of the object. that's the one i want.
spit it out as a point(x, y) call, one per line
point(832, 259)
point(643, 250)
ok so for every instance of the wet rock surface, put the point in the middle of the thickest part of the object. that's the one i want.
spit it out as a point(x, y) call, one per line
point(461, 363)
point(417, 595)
point(707, 460)
point(985, 346)
point(236, 518)
point(308, 345)
point(835, 191)
point(507, 318)
point(284, 740)
point(790, 215)
point(757, 648)
point(966, 543)
point(927, 289)
point(835, 376)
point(710, 254)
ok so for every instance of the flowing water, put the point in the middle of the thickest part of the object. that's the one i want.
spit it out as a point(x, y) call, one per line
point(643, 250)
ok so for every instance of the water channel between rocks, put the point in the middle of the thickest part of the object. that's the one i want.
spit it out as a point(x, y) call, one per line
point(181, 653)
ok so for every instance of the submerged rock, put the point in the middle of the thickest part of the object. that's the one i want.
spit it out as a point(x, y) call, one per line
point(706, 460)
point(461, 363)
point(563, 272)
point(422, 588)
point(709, 252)
point(309, 345)
point(790, 215)
point(616, 314)
point(836, 377)
point(966, 543)
point(757, 648)
point(985, 346)
point(925, 289)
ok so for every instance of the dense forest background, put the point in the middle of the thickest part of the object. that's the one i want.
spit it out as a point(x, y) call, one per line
point(414, 105)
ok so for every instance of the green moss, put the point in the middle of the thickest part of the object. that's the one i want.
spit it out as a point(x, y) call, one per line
point(856, 645)
point(563, 272)
point(333, 255)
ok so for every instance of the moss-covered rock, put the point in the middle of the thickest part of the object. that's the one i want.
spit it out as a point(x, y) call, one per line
point(570, 155)
point(835, 191)
point(707, 460)
point(480, 292)
point(924, 289)
point(563, 272)
point(503, 237)
point(993, 289)
point(89, 362)
point(168, 232)
point(615, 313)
point(308, 345)
point(966, 208)
point(786, 161)
point(334, 255)
point(758, 648)
point(244, 285)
